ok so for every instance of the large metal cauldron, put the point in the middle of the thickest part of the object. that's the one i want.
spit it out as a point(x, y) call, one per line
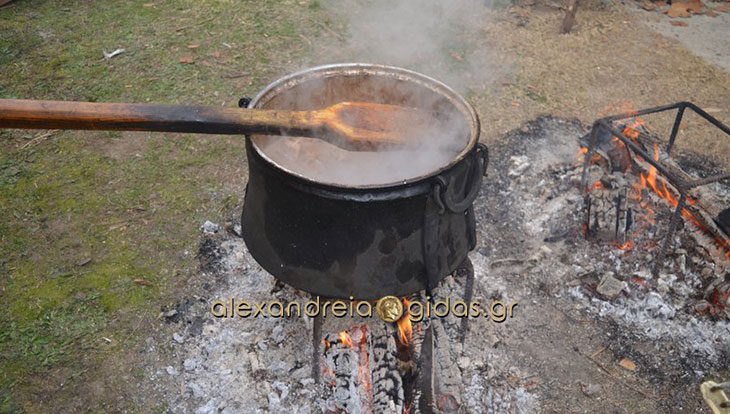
point(362, 241)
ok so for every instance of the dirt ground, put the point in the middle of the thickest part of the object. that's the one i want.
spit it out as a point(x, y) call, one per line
point(510, 62)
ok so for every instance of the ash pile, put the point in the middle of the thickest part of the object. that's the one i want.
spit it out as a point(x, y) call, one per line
point(597, 328)
point(265, 364)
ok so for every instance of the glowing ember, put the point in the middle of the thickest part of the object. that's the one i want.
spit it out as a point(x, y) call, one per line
point(581, 154)
point(626, 246)
point(405, 328)
point(364, 376)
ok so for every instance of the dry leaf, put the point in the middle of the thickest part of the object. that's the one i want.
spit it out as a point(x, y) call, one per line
point(678, 10)
point(149, 4)
point(723, 8)
point(677, 23)
point(520, 11)
point(216, 54)
point(514, 380)
point(695, 6)
point(187, 59)
point(628, 364)
point(649, 6)
point(143, 282)
point(711, 13)
point(531, 384)
point(193, 45)
point(457, 56)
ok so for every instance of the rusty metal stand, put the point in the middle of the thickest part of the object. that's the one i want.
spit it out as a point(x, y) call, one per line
point(466, 269)
point(683, 186)
point(316, 340)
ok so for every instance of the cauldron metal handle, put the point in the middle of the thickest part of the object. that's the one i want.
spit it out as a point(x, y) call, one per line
point(478, 171)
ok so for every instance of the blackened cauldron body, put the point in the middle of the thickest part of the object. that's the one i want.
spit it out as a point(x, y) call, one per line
point(363, 242)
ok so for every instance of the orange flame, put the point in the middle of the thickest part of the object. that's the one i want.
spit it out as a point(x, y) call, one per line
point(346, 339)
point(650, 181)
point(405, 328)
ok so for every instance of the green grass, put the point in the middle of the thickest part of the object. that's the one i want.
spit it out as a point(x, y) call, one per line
point(83, 215)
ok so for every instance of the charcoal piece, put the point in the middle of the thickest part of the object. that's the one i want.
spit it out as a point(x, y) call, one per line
point(723, 220)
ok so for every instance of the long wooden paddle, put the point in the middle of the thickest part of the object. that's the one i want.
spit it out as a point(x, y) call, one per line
point(356, 126)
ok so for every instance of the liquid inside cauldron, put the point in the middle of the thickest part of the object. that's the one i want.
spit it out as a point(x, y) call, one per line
point(319, 161)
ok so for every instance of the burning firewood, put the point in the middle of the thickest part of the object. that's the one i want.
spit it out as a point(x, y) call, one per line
point(409, 366)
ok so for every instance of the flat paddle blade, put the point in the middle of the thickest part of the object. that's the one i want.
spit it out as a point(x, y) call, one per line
point(372, 126)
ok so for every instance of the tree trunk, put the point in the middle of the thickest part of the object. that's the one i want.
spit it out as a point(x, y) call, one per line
point(569, 18)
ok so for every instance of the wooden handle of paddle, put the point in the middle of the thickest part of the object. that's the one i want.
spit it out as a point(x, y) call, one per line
point(29, 114)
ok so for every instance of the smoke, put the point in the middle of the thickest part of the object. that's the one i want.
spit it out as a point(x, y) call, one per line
point(442, 39)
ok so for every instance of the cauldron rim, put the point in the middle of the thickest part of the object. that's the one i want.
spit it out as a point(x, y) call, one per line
point(413, 183)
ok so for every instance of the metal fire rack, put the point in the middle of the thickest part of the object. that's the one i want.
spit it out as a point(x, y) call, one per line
point(682, 185)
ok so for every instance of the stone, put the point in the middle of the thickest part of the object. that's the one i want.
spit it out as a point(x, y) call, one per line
point(587, 270)
point(190, 364)
point(657, 307)
point(208, 408)
point(254, 360)
point(610, 287)
point(642, 274)
point(209, 227)
point(172, 371)
point(662, 287)
point(301, 372)
point(196, 390)
point(277, 334)
point(682, 263)
point(669, 278)
point(282, 388)
point(464, 363)
point(574, 282)
point(591, 389)
point(706, 273)
point(178, 338)
point(520, 164)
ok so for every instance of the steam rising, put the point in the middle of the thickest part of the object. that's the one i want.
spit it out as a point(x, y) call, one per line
point(442, 39)
point(437, 38)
